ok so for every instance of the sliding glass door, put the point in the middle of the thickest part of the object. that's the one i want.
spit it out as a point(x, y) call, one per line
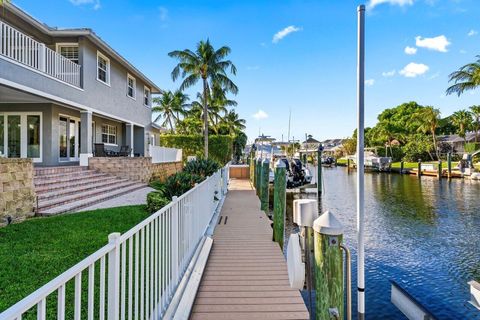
point(21, 135)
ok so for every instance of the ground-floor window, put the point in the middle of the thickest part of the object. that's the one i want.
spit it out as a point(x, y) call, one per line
point(21, 135)
point(109, 134)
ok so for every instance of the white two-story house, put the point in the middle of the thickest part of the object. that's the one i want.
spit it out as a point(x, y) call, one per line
point(63, 90)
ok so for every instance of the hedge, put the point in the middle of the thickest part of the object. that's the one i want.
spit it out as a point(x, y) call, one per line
point(219, 146)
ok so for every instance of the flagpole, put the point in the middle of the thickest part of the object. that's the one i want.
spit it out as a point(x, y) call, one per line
point(360, 162)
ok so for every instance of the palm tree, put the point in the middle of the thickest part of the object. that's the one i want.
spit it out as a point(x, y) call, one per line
point(466, 78)
point(463, 120)
point(165, 105)
point(428, 118)
point(208, 65)
point(233, 122)
point(475, 110)
point(181, 105)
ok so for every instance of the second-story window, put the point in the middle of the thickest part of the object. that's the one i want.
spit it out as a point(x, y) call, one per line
point(146, 96)
point(103, 68)
point(131, 82)
point(69, 51)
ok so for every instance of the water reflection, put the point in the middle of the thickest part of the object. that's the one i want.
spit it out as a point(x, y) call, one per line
point(423, 233)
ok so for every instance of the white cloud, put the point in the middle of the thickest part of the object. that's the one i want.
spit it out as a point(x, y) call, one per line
point(388, 74)
point(413, 70)
point(439, 43)
point(369, 82)
point(96, 3)
point(472, 33)
point(373, 3)
point(260, 114)
point(163, 13)
point(410, 50)
point(284, 32)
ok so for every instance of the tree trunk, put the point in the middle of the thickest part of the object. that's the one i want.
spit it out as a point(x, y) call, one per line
point(171, 125)
point(205, 117)
point(435, 145)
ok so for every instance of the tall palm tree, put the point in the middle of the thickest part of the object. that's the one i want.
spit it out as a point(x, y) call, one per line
point(208, 65)
point(466, 78)
point(463, 120)
point(475, 110)
point(428, 118)
point(165, 106)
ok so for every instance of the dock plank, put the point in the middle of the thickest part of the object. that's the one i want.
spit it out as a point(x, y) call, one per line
point(246, 274)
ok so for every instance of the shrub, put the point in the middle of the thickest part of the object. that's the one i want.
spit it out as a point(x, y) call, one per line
point(179, 183)
point(202, 167)
point(395, 152)
point(156, 201)
point(219, 146)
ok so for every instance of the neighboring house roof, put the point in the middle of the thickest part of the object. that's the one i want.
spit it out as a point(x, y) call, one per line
point(86, 32)
point(455, 138)
point(311, 140)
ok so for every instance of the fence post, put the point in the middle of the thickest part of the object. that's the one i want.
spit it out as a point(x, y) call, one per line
point(264, 196)
point(419, 168)
point(439, 169)
point(175, 242)
point(449, 165)
point(113, 277)
point(279, 198)
point(328, 235)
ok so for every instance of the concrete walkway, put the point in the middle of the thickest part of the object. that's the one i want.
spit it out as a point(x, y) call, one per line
point(136, 197)
point(246, 274)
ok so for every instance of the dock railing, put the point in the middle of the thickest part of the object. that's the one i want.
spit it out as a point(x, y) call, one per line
point(136, 274)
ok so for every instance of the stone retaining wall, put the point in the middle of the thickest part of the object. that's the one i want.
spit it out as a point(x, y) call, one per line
point(134, 168)
point(17, 193)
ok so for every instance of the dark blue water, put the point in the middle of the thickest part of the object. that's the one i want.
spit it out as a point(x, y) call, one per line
point(422, 233)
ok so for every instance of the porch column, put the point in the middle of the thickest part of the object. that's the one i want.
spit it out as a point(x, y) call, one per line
point(129, 137)
point(86, 137)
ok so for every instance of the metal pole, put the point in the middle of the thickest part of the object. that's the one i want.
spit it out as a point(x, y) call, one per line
point(360, 161)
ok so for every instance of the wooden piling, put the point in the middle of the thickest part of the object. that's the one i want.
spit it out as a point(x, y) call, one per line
point(402, 164)
point(449, 165)
point(419, 168)
point(279, 202)
point(319, 172)
point(439, 169)
point(258, 185)
point(348, 165)
point(328, 235)
point(264, 185)
point(252, 168)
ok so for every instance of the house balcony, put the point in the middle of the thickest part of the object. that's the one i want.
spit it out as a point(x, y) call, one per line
point(23, 50)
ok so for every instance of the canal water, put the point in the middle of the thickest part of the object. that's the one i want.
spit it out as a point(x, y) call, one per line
point(422, 233)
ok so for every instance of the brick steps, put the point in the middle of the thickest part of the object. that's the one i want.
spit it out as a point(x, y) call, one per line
point(68, 189)
point(75, 206)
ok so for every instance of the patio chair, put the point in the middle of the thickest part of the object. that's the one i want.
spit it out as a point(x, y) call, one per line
point(124, 151)
point(100, 151)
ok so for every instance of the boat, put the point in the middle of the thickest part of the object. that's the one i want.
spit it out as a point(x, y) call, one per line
point(374, 162)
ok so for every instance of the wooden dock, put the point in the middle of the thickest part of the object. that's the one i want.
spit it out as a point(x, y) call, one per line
point(246, 273)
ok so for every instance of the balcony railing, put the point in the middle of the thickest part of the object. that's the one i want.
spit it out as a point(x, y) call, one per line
point(21, 48)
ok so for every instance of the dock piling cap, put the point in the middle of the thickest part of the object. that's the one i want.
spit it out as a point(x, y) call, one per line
point(265, 161)
point(280, 164)
point(304, 212)
point(328, 224)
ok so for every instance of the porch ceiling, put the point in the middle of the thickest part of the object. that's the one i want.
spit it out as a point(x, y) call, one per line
point(8, 95)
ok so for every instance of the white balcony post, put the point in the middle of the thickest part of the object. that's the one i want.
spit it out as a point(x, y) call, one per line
point(41, 57)
point(86, 148)
point(113, 277)
point(129, 137)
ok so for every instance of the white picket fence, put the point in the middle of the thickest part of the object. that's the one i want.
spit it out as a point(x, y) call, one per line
point(136, 274)
point(162, 154)
point(19, 47)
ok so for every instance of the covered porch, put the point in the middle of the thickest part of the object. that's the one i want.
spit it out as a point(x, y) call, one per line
point(55, 133)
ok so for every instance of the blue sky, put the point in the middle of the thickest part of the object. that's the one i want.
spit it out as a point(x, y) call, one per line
point(309, 67)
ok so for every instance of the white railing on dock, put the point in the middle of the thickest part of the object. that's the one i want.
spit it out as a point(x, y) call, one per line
point(136, 274)
point(162, 154)
point(21, 48)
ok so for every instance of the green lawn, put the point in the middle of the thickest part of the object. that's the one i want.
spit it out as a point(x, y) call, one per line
point(37, 250)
